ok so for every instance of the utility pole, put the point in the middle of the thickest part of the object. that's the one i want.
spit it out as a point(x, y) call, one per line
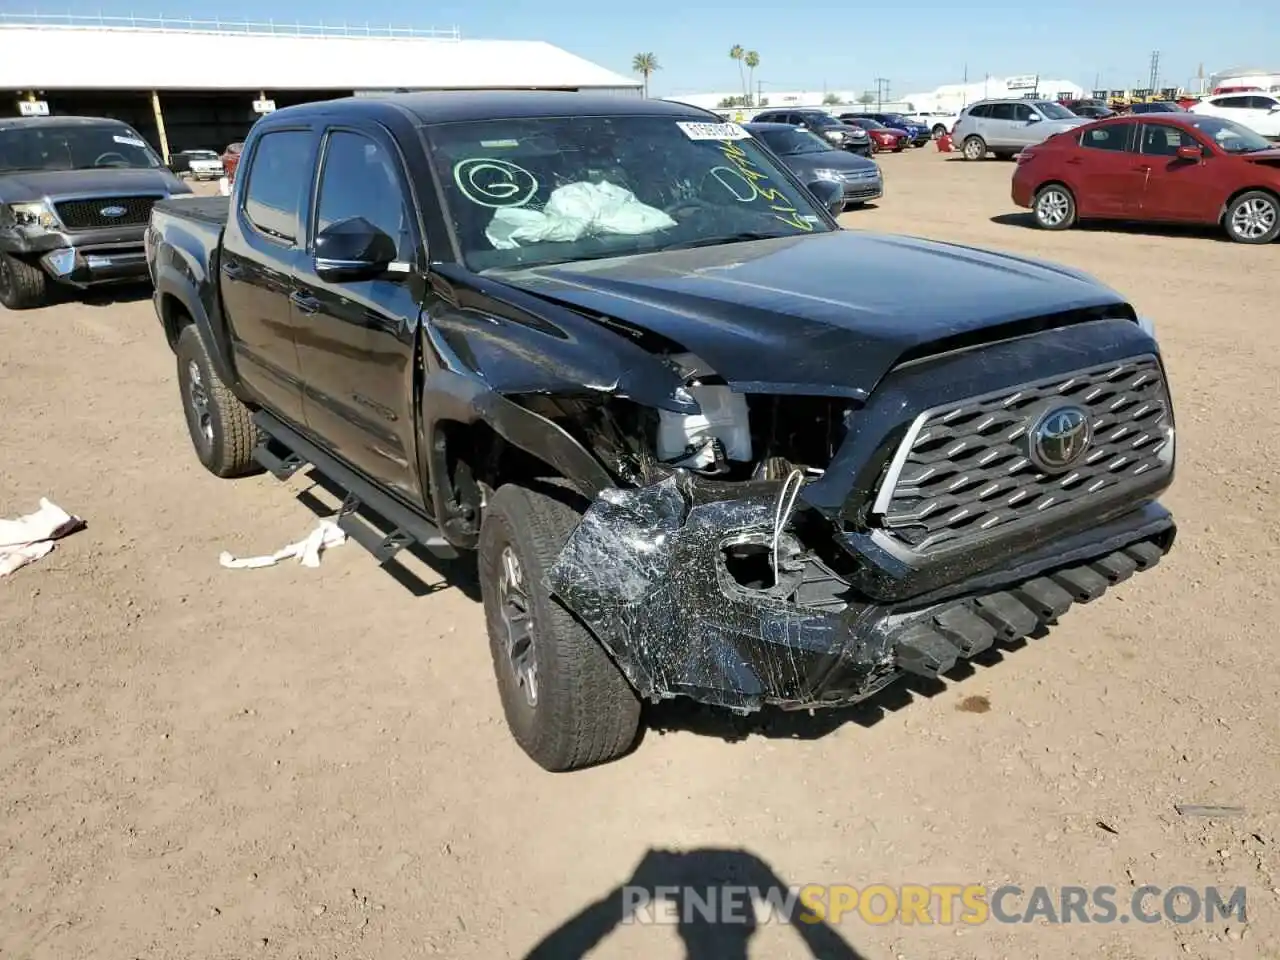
point(1154, 83)
point(882, 91)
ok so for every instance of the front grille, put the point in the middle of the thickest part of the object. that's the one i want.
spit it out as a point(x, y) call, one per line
point(966, 468)
point(88, 215)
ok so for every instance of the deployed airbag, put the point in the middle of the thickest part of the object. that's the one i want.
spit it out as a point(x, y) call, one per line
point(574, 211)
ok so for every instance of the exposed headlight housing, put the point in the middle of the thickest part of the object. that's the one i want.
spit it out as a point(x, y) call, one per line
point(833, 175)
point(35, 214)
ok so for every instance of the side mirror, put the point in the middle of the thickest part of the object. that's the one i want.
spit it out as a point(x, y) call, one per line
point(830, 194)
point(1190, 153)
point(353, 249)
point(1034, 118)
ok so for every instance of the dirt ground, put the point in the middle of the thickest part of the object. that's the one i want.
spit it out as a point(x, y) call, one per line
point(203, 763)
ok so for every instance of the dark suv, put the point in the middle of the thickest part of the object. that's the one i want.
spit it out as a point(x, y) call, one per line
point(824, 125)
point(75, 197)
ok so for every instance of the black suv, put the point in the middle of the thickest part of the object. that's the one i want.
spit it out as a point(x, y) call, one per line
point(75, 197)
point(824, 125)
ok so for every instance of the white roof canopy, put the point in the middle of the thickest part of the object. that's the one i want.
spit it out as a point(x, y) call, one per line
point(115, 58)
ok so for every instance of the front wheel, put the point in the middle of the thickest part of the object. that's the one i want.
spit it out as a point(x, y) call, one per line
point(939, 130)
point(22, 286)
point(1253, 217)
point(975, 148)
point(1055, 208)
point(566, 702)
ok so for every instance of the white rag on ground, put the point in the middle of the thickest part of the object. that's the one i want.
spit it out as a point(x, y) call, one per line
point(29, 538)
point(574, 211)
point(326, 534)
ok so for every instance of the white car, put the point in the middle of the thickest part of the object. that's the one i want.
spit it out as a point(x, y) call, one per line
point(938, 122)
point(1260, 112)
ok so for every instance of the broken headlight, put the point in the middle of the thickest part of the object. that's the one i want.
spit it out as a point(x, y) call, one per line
point(35, 214)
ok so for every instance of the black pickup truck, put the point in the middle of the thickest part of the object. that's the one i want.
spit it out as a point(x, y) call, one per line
point(704, 442)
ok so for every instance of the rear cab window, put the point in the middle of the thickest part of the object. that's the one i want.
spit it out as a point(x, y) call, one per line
point(278, 173)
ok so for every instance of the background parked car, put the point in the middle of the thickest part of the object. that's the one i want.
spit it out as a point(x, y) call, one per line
point(917, 133)
point(882, 137)
point(1005, 127)
point(231, 159)
point(1174, 167)
point(938, 121)
point(1088, 107)
point(199, 164)
point(1156, 106)
point(843, 136)
point(1260, 112)
point(812, 158)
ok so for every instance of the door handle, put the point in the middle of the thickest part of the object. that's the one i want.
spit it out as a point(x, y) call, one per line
point(305, 303)
point(1143, 169)
point(1074, 161)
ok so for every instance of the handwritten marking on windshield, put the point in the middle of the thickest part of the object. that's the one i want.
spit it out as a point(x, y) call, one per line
point(743, 190)
point(778, 203)
point(488, 182)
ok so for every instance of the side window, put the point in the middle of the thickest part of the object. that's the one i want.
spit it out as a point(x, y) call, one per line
point(981, 111)
point(1159, 140)
point(278, 175)
point(1233, 103)
point(360, 179)
point(1114, 137)
point(1261, 103)
point(1022, 112)
point(1002, 111)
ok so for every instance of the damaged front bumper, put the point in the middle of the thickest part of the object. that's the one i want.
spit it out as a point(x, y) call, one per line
point(683, 591)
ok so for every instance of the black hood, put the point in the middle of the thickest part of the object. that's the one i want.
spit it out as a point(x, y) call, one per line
point(28, 185)
point(825, 313)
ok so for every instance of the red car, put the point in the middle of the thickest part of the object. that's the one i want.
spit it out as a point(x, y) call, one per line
point(882, 137)
point(1158, 167)
point(231, 160)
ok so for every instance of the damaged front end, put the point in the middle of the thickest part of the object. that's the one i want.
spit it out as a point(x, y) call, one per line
point(728, 574)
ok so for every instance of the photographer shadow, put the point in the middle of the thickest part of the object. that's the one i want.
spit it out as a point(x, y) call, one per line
point(692, 882)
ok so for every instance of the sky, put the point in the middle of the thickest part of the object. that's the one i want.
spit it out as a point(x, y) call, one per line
point(817, 44)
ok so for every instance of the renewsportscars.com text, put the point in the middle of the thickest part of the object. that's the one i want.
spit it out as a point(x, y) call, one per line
point(941, 904)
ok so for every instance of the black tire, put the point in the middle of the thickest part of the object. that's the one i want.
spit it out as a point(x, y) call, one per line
point(974, 148)
point(22, 286)
point(939, 130)
point(1253, 217)
point(221, 427)
point(583, 711)
point(1054, 207)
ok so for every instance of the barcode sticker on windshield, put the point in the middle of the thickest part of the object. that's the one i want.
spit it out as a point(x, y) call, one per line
point(131, 141)
point(712, 131)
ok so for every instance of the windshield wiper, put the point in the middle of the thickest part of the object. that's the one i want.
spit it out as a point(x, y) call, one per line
point(741, 237)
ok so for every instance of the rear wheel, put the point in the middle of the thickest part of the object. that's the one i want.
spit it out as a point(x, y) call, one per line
point(1055, 208)
point(221, 427)
point(566, 702)
point(22, 286)
point(1253, 217)
point(975, 148)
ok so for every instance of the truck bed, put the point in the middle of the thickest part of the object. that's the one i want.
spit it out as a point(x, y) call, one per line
point(212, 210)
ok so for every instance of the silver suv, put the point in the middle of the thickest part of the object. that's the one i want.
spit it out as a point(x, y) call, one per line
point(1004, 127)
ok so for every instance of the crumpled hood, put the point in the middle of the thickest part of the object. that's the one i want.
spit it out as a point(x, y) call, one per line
point(34, 184)
point(822, 314)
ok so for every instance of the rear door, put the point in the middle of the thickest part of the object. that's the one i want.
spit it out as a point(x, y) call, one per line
point(997, 128)
point(261, 250)
point(356, 339)
point(1108, 171)
point(1176, 189)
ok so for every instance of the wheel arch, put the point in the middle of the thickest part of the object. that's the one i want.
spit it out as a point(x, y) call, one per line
point(1237, 194)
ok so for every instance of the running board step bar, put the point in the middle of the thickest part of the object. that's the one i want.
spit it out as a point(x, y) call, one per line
point(407, 527)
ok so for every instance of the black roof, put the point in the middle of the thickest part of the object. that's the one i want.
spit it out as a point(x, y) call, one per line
point(17, 123)
point(766, 127)
point(450, 106)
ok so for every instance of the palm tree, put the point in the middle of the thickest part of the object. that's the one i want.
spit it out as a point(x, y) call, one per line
point(644, 64)
point(737, 53)
point(752, 60)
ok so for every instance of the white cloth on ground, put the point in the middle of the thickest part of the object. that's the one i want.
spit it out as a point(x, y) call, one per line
point(326, 534)
point(574, 211)
point(29, 538)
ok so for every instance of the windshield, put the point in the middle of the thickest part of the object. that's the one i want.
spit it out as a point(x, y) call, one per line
point(553, 190)
point(868, 124)
point(1230, 136)
point(1054, 111)
point(791, 142)
point(73, 148)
